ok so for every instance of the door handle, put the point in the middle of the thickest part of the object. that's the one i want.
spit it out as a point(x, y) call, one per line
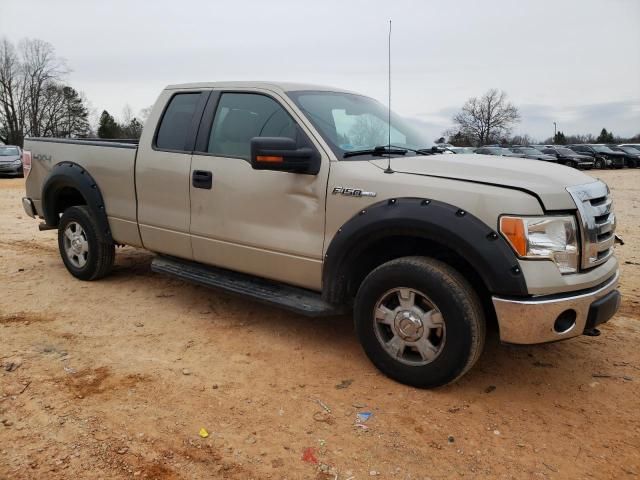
point(202, 179)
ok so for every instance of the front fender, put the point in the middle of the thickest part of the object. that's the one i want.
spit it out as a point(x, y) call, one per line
point(454, 228)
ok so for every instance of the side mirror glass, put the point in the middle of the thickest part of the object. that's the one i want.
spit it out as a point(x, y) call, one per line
point(283, 155)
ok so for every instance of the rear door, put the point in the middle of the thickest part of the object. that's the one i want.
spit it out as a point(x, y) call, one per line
point(163, 169)
point(266, 223)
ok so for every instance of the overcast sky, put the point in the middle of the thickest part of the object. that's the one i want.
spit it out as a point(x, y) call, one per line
point(576, 62)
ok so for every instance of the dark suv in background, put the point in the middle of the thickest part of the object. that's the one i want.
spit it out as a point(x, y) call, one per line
point(568, 157)
point(602, 155)
point(631, 155)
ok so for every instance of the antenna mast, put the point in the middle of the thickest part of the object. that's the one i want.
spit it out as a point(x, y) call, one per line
point(388, 170)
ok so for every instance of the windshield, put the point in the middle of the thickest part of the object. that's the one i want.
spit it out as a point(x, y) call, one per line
point(7, 151)
point(350, 122)
point(629, 150)
point(602, 148)
point(565, 151)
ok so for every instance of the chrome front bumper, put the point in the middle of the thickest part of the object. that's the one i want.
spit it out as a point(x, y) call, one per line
point(553, 317)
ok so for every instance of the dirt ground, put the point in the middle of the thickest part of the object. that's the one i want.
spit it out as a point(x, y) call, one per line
point(115, 379)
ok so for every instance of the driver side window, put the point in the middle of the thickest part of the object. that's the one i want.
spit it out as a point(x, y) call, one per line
point(242, 116)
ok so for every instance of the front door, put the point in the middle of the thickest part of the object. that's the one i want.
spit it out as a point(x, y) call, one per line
point(265, 223)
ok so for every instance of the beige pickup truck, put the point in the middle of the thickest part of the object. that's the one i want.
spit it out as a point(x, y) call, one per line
point(305, 197)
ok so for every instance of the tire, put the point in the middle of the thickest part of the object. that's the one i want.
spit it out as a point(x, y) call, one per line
point(599, 163)
point(441, 296)
point(84, 250)
point(572, 164)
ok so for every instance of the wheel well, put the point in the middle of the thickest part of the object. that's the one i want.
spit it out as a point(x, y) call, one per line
point(392, 247)
point(64, 198)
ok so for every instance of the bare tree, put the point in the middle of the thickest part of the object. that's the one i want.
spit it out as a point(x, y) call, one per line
point(144, 113)
point(12, 96)
point(368, 130)
point(33, 99)
point(487, 118)
point(127, 114)
point(524, 139)
point(41, 69)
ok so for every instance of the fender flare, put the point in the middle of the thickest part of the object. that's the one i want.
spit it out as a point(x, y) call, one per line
point(483, 248)
point(69, 174)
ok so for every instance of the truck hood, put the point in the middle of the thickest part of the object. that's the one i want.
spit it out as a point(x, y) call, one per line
point(547, 181)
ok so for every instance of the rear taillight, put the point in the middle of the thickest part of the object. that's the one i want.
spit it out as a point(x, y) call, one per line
point(26, 162)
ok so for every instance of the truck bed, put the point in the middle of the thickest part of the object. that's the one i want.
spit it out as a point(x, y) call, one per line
point(111, 163)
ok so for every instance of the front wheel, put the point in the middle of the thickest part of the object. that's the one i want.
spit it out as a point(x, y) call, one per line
point(86, 253)
point(599, 163)
point(419, 321)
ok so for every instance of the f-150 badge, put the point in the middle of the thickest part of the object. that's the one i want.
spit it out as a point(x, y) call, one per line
point(352, 192)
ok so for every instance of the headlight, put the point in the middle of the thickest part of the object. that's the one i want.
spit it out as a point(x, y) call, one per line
point(17, 162)
point(544, 237)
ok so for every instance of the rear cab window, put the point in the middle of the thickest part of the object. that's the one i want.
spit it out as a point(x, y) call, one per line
point(176, 124)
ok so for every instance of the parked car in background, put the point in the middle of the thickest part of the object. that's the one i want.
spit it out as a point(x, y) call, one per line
point(617, 158)
point(500, 151)
point(603, 157)
point(568, 157)
point(10, 160)
point(632, 145)
point(534, 154)
point(460, 150)
point(631, 155)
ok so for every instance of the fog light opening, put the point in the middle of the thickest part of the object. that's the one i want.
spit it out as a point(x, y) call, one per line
point(565, 321)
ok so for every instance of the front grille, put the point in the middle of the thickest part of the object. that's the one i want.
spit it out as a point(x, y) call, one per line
point(597, 222)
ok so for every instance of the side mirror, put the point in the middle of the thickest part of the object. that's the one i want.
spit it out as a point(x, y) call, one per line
point(283, 155)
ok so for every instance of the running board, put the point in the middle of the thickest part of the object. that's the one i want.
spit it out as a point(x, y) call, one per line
point(298, 300)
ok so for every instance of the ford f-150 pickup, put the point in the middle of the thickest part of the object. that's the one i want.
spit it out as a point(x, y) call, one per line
point(306, 197)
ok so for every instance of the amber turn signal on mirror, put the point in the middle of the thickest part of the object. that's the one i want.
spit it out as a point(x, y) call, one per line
point(269, 158)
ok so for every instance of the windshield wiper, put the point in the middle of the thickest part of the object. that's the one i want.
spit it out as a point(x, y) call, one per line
point(379, 151)
point(427, 151)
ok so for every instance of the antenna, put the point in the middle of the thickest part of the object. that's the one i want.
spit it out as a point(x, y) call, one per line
point(388, 170)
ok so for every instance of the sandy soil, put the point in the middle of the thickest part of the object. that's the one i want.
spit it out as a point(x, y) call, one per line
point(115, 379)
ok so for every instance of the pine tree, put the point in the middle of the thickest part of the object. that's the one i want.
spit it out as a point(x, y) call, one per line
point(605, 137)
point(108, 127)
point(559, 139)
point(133, 129)
point(77, 114)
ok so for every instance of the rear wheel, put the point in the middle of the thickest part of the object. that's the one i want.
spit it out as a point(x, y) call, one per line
point(571, 163)
point(599, 163)
point(419, 321)
point(87, 254)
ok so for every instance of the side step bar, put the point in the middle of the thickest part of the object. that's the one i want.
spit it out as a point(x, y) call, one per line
point(298, 300)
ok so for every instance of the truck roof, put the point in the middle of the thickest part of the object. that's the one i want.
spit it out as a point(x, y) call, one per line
point(281, 86)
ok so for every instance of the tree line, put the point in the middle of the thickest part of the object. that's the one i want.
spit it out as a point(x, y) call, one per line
point(36, 99)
